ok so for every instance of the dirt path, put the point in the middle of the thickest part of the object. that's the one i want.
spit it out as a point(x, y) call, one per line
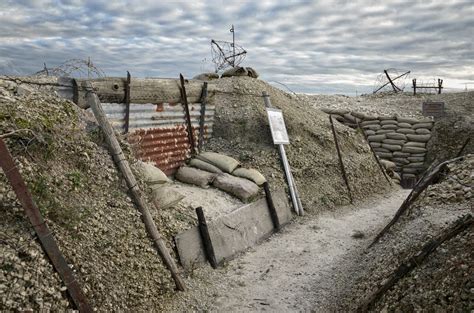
point(300, 269)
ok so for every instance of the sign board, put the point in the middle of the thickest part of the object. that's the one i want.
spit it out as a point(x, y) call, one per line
point(435, 109)
point(277, 126)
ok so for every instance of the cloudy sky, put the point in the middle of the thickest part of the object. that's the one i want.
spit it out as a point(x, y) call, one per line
point(310, 46)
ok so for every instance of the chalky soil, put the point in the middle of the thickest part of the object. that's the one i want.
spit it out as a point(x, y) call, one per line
point(302, 268)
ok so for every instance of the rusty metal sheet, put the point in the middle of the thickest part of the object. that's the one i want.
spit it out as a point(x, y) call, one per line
point(158, 132)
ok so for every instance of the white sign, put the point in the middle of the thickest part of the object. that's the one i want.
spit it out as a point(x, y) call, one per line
point(277, 126)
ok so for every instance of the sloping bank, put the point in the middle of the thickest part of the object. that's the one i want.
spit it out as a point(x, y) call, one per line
point(241, 130)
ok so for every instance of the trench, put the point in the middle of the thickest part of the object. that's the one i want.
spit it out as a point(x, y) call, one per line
point(302, 268)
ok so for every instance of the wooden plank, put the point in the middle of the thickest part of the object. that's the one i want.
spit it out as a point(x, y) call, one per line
point(143, 90)
point(234, 232)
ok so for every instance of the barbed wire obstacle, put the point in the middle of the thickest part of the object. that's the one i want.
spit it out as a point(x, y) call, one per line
point(73, 68)
point(391, 79)
point(226, 54)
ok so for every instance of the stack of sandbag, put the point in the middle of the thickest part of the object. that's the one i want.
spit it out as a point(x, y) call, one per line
point(222, 172)
point(162, 195)
point(398, 139)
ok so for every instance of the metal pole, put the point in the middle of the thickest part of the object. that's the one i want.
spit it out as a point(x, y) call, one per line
point(289, 178)
point(286, 165)
point(188, 117)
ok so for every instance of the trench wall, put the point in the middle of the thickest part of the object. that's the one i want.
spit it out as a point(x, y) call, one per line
point(400, 140)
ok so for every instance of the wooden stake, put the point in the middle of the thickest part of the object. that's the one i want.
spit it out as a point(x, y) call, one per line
point(126, 171)
point(184, 98)
point(344, 175)
point(206, 238)
point(420, 186)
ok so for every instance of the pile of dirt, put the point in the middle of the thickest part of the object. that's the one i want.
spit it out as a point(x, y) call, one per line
point(444, 282)
point(241, 130)
point(75, 184)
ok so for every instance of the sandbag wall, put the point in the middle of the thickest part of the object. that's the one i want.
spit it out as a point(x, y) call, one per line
point(397, 139)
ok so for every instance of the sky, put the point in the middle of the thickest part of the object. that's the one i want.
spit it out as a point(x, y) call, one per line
point(309, 46)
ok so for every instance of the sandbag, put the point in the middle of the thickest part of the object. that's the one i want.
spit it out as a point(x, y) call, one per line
point(389, 126)
point(250, 174)
point(372, 126)
point(408, 175)
point(423, 125)
point(401, 161)
point(387, 164)
point(385, 155)
point(235, 71)
point(415, 144)
point(416, 159)
point(151, 174)
point(409, 149)
point(392, 147)
point(224, 162)
point(422, 131)
point(410, 170)
point(399, 154)
point(418, 138)
point(371, 122)
point(416, 165)
point(389, 141)
point(194, 176)
point(381, 150)
point(388, 122)
point(405, 131)
point(384, 131)
point(206, 76)
point(164, 197)
point(251, 72)
point(241, 188)
point(375, 144)
point(377, 138)
point(369, 132)
point(404, 125)
point(396, 136)
point(202, 165)
point(406, 120)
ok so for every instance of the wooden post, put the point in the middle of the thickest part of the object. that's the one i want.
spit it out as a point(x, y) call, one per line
point(202, 119)
point(414, 86)
point(126, 171)
point(271, 207)
point(206, 238)
point(184, 98)
point(343, 170)
point(440, 85)
point(127, 102)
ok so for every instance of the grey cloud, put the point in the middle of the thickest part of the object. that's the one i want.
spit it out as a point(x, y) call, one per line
point(308, 45)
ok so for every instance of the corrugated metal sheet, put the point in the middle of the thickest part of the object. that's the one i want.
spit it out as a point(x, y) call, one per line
point(158, 132)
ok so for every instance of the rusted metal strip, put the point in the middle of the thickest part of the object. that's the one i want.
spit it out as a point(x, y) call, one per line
point(44, 234)
point(374, 154)
point(127, 102)
point(344, 175)
point(203, 116)
point(188, 117)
